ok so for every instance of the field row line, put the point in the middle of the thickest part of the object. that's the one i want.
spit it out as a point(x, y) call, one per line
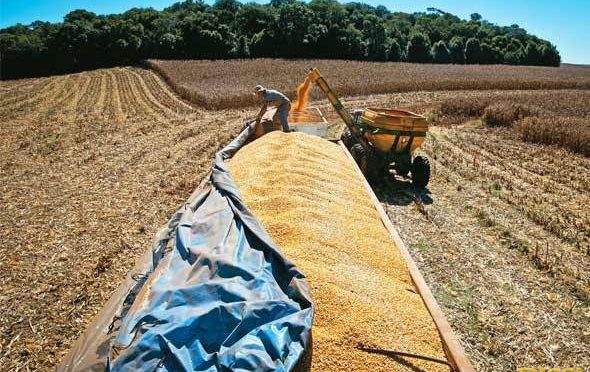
point(158, 85)
point(503, 213)
point(554, 219)
point(87, 101)
point(66, 97)
point(13, 94)
point(115, 98)
point(577, 177)
point(162, 93)
point(141, 103)
point(148, 98)
point(37, 99)
point(478, 144)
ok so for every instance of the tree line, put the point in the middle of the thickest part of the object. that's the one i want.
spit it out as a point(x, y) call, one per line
point(282, 29)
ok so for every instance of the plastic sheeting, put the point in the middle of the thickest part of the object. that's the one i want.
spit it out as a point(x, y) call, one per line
point(218, 296)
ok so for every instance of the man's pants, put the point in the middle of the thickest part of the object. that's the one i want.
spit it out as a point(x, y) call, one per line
point(283, 115)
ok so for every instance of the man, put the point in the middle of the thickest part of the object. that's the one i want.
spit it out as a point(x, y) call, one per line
point(274, 98)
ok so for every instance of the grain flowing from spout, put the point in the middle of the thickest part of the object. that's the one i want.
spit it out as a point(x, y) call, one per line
point(300, 103)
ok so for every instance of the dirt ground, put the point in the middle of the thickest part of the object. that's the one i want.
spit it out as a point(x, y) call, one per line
point(91, 164)
point(488, 238)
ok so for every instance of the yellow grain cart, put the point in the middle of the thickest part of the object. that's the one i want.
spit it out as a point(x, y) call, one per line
point(393, 136)
point(381, 140)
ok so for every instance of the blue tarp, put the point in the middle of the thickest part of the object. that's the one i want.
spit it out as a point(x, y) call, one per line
point(222, 298)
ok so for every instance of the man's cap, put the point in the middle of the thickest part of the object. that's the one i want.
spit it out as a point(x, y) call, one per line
point(259, 88)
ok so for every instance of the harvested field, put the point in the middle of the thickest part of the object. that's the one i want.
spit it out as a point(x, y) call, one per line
point(503, 239)
point(229, 83)
point(329, 227)
point(91, 164)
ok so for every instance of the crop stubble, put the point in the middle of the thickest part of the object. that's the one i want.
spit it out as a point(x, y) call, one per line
point(90, 164)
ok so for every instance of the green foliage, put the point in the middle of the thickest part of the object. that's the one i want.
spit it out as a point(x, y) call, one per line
point(457, 50)
point(418, 48)
point(487, 54)
point(395, 51)
point(531, 53)
point(440, 52)
point(472, 51)
point(294, 22)
point(79, 15)
point(549, 55)
point(376, 39)
point(253, 18)
point(514, 54)
point(283, 28)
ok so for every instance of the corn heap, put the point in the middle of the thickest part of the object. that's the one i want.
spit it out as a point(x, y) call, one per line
point(310, 199)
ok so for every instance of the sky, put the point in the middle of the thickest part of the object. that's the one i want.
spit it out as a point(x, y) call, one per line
point(566, 23)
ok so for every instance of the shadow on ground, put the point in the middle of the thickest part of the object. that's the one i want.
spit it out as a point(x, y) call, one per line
point(401, 192)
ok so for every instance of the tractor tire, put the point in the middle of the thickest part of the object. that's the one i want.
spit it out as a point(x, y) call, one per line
point(420, 171)
point(367, 162)
point(347, 139)
point(402, 172)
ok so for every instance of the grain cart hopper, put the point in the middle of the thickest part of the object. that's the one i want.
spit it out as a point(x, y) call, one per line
point(381, 139)
point(310, 121)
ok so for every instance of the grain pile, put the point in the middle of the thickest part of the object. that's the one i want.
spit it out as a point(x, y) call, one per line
point(306, 193)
